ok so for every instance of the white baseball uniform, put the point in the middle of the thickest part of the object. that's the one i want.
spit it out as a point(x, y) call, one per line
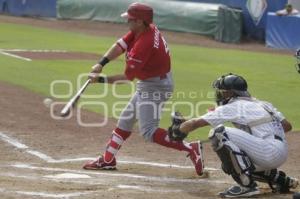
point(258, 130)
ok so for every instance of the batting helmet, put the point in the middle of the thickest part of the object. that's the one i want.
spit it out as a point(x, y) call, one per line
point(139, 11)
point(230, 82)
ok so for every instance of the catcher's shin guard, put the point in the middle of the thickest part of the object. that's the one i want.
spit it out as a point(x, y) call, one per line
point(234, 161)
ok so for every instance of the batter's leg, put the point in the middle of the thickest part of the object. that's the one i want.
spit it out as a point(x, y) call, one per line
point(119, 135)
point(123, 130)
point(148, 113)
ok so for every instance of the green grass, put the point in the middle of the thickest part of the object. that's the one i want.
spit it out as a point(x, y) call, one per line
point(270, 77)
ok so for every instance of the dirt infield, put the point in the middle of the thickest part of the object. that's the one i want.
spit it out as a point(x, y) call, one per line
point(39, 156)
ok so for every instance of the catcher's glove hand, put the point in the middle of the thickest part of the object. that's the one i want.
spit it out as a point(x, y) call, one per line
point(173, 131)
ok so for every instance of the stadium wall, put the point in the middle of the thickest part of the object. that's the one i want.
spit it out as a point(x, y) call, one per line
point(200, 18)
point(283, 32)
point(36, 8)
point(190, 17)
point(254, 13)
point(177, 16)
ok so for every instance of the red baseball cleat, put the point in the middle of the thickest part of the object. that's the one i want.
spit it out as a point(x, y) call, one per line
point(196, 156)
point(100, 164)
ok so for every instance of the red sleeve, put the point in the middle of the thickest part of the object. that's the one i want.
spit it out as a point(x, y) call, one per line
point(126, 40)
point(140, 53)
point(138, 57)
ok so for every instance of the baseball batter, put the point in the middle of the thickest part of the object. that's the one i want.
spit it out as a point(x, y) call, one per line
point(148, 60)
point(254, 148)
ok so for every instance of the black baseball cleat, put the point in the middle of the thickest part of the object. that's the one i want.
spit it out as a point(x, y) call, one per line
point(239, 191)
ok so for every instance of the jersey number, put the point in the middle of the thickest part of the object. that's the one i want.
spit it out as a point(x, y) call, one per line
point(166, 45)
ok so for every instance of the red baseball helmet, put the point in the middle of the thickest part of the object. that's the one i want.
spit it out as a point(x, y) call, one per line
point(139, 11)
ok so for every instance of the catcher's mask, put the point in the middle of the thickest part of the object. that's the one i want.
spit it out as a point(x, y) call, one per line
point(230, 86)
point(297, 55)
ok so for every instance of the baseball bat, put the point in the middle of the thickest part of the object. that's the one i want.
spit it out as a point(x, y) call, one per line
point(72, 102)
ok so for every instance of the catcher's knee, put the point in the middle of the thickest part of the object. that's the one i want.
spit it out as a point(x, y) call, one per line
point(217, 136)
point(234, 161)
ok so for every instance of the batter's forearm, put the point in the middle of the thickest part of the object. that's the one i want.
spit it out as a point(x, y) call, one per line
point(111, 54)
point(118, 79)
point(114, 52)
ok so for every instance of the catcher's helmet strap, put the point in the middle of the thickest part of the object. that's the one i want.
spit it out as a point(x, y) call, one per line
point(220, 98)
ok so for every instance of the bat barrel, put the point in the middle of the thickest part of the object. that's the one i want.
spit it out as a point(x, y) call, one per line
point(67, 108)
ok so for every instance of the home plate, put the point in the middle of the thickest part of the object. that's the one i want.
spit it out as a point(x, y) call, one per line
point(68, 176)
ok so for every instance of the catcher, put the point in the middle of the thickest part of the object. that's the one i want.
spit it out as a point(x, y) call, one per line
point(297, 55)
point(254, 149)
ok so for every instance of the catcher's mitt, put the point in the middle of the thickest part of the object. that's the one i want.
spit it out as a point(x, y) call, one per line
point(173, 131)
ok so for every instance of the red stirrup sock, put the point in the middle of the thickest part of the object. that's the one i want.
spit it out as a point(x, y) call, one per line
point(162, 138)
point(114, 144)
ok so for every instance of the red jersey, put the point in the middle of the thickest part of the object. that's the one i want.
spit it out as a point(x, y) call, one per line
point(147, 54)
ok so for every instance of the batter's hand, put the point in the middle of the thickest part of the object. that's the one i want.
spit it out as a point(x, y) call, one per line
point(94, 77)
point(97, 68)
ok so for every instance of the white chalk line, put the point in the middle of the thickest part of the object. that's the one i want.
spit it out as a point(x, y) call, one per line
point(7, 52)
point(85, 182)
point(68, 176)
point(47, 194)
point(153, 164)
point(163, 165)
point(12, 141)
point(121, 175)
point(19, 145)
point(40, 155)
point(91, 181)
point(15, 56)
point(33, 50)
point(49, 159)
point(13, 175)
point(145, 189)
point(76, 194)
